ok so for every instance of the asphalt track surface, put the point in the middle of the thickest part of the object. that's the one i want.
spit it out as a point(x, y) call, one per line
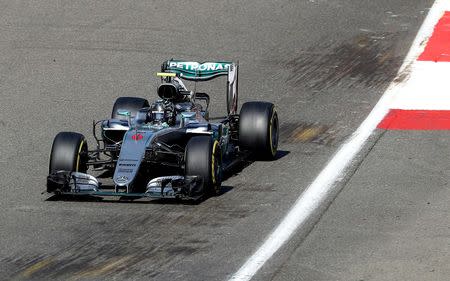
point(323, 63)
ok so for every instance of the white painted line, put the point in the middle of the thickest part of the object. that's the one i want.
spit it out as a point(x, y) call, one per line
point(320, 190)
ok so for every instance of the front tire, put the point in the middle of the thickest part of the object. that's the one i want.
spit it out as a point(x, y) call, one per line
point(258, 129)
point(69, 153)
point(203, 158)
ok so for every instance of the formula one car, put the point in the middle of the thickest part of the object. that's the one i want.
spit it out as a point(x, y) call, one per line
point(167, 149)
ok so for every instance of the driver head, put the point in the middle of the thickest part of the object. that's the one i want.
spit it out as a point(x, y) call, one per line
point(157, 112)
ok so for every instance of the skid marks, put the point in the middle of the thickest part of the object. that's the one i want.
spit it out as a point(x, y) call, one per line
point(367, 59)
point(142, 246)
point(304, 132)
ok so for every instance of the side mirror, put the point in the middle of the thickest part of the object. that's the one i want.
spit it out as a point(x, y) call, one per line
point(126, 113)
point(186, 117)
point(123, 112)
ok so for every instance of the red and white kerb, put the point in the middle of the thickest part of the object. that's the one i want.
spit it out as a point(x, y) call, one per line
point(422, 102)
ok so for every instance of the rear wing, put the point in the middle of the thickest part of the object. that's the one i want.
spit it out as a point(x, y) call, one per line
point(195, 71)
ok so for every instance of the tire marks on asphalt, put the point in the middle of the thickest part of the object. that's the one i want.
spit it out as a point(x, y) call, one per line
point(365, 59)
point(40, 265)
point(303, 132)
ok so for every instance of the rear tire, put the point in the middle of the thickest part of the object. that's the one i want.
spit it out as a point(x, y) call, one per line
point(203, 158)
point(258, 129)
point(130, 104)
point(69, 153)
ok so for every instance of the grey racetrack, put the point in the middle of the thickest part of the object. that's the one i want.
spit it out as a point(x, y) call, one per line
point(323, 63)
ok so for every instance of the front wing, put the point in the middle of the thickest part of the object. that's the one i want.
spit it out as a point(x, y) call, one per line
point(81, 184)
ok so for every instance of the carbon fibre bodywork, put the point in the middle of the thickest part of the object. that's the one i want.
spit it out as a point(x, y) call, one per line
point(147, 153)
point(147, 158)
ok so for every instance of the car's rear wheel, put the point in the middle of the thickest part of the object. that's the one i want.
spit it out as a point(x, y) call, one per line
point(131, 104)
point(203, 158)
point(258, 129)
point(69, 153)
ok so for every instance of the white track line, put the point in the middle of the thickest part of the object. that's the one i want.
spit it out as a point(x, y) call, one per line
point(323, 187)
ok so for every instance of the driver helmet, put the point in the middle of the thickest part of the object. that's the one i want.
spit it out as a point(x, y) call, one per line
point(157, 112)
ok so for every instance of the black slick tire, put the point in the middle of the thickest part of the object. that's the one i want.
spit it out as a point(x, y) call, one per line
point(69, 153)
point(203, 158)
point(258, 129)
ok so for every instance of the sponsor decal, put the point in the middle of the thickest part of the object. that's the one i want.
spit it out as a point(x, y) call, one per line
point(194, 66)
point(121, 179)
point(127, 171)
point(137, 137)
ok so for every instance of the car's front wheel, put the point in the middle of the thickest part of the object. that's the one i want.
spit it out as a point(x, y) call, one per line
point(69, 153)
point(203, 158)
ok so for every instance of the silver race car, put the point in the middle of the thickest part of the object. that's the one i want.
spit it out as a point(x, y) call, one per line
point(169, 148)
